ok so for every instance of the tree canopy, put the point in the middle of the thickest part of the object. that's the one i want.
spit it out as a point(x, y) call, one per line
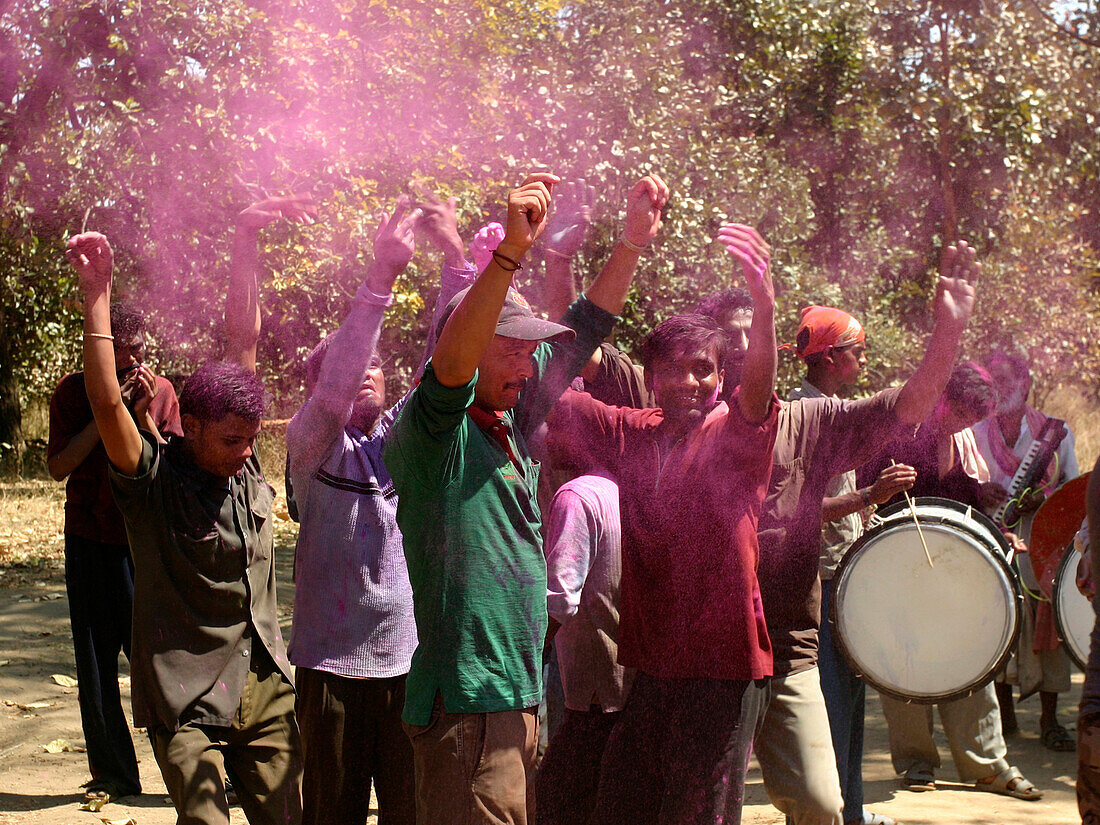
point(859, 137)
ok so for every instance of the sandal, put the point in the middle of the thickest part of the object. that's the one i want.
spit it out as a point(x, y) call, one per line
point(874, 819)
point(1010, 782)
point(919, 778)
point(1058, 738)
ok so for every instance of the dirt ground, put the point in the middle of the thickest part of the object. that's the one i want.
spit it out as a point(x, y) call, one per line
point(44, 788)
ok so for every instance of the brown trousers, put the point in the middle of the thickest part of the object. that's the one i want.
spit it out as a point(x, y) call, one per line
point(475, 768)
point(260, 751)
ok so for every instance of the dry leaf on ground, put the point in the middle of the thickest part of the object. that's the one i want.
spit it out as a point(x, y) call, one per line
point(28, 705)
point(63, 680)
point(96, 803)
point(62, 746)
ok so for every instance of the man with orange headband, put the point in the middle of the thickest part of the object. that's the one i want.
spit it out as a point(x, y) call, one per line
point(833, 344)
point(819, 438)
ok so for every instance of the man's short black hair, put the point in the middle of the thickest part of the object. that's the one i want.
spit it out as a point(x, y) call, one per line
point(684, 333)
point(219, 388)
point(126, 322)
point(719, 304)
point(970, 388)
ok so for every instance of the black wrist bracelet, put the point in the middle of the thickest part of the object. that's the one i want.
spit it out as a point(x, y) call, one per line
point(500, 256)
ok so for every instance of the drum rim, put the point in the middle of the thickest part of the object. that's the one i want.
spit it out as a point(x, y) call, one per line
point(949, 504)
point(999, 560)
point(1067, 554)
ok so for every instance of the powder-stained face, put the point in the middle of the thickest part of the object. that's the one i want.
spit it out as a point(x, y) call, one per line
point(736, 325)
point(221, 447)
point(1012, 388)
point(848, 362)
point(686, 385)
point(371, 398)
point(129, 351)
point(503, 373)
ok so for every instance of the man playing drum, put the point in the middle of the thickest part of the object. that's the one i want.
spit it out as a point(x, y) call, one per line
point(820, 438)
point(972, 724)
point(1040, 662)
point(833, 363)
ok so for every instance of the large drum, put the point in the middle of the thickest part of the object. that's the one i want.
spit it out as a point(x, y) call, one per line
point(925, 632)
point(1072, 611)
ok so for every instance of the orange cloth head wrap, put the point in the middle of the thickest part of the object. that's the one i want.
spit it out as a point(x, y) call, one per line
point(824, 327)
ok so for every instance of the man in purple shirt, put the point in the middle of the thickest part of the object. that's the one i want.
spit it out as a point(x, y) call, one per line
point(354, 632)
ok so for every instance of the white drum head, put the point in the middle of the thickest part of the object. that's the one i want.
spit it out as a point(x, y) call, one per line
point(1073, 611)
point(918, 632)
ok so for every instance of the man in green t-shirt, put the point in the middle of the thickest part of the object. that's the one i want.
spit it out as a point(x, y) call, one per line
point(458, 455)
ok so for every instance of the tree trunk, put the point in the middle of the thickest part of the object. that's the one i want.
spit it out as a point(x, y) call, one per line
point(12, 445)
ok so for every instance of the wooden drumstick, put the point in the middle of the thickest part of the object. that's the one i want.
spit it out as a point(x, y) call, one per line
point(916, 521)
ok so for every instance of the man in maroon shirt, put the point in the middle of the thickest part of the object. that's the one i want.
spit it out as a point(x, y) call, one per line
point(99, 573)
point(692, 478)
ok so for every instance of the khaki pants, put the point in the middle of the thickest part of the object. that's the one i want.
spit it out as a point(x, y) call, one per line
point(475, 768)
point(795, 752)
point(260, 751)
point(973, 728)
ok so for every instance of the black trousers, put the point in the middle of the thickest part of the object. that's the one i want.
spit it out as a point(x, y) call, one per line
point(99, 580)
point(351, 735)
point(569, 775)
point(679, 752)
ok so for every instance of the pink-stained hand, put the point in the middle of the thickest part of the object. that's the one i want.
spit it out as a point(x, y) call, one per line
point(528, 209)
point(746, 246)
point(568, 226)
point(438, 221)
point(891, 481)
point(394, 245)
point(643, 209)
point(92, 257)
point(954, 293)
point(295, 208)
point(485, 241)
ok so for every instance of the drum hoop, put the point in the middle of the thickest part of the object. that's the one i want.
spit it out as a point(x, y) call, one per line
point(1063, 632)
point(1016, 597)
point(949, 504)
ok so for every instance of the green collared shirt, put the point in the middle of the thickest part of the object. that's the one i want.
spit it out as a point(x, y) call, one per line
point(470, 521)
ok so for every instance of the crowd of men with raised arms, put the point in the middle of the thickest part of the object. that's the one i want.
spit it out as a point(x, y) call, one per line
point(667, 533)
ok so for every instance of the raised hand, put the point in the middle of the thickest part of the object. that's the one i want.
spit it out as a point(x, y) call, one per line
point(438, 221)
point(954, 292)
point(747, 247)
point(394, 245)
point(295, 208)
point(528, 208)
point(568, 225)
point(643, 210)
point(92, 257)
point(485, 241)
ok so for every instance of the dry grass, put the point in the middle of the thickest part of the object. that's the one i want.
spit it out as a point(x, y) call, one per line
point(32, 511)
point(1082, 414)
point(32, 515)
